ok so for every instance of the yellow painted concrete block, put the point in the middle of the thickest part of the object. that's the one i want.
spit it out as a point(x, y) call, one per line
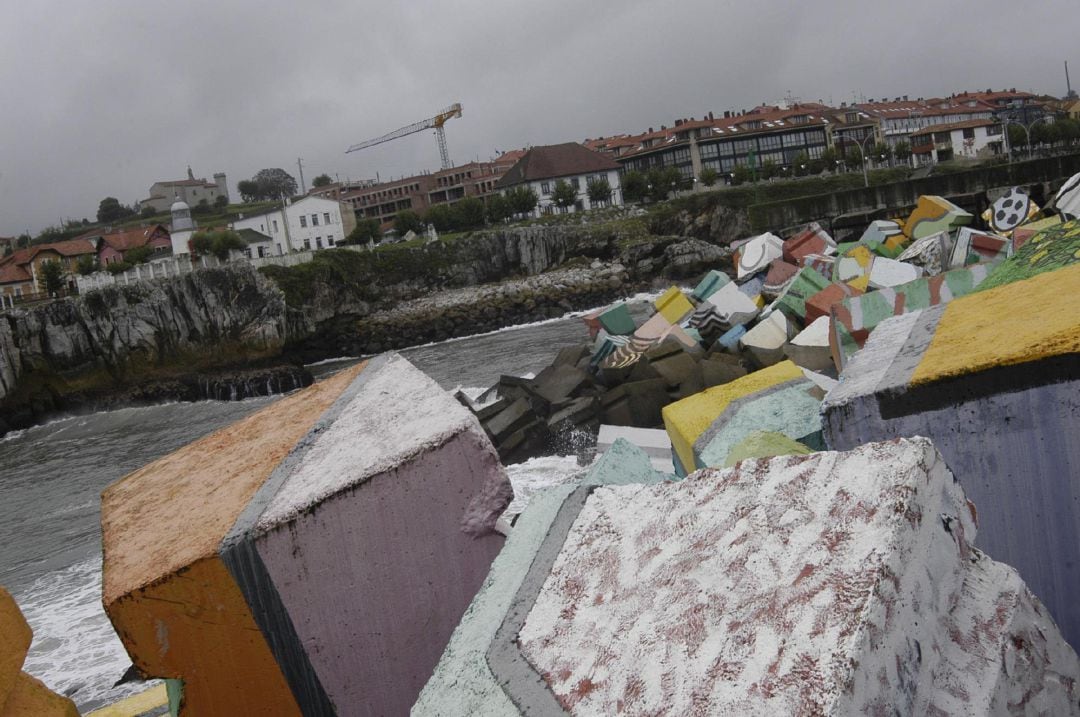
point(1012, 324)
point(759, 300)
point(31, 698)
point(933, 214)
point(174, 604)
point(673, 305)
point(136, 704)
point(15, 637)
point(687, 419)
point(896, 242)
point(860, 282)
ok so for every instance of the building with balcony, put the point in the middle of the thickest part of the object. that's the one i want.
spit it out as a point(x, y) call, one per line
point(970, 139)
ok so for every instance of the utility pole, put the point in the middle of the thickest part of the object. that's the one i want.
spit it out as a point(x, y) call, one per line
point(300, 166)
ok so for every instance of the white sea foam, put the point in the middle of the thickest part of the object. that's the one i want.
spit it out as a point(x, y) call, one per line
point(75, 650)
point(537, 474)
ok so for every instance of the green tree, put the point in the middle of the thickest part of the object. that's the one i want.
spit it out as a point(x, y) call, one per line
point(1017, 136)
point(23, 241)
point(322, 180)
point(800, 164)
point(217, 242)
point(249, 190)
point(523, 200)
point(599, 191)
point(741, 174)
point(882, 152)
point(272, 183)
point(407, 220)
point(86, 264)
point(117, 267)
point(110, 210)
point(51, 277)
point(663, 181)
point(769, 169)
point(1044, 133)
point(853, 158)
point(634, 186)
point(442, 217)
point(468, 213)
point(203, 207)
point(366, 230)
point(709, 176)
point(221, 201)
point(147, 212)
point(498, 209)
point(563, 195)
point(902, 152)
point(138, 255)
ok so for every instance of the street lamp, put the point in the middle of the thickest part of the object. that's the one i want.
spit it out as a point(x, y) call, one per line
point(862, 148)
point(1027, 132)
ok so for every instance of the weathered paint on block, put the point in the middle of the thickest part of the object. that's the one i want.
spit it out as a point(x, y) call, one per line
point(1025, 232)
point(374, 542)
point(30, 697)
point(766, 340)
point(782, 587)
point(150, 700)
point(617, 321)
point(1000, 427)
point(15, 638)
point(809, 282)
point(934, 214)
point(687, 419)
point(820, 304)
point(1048, 250)
point(791, 408)
point(710, 284)
point(757, 253)
point(673, 305)
point(463, 683)
point(174, 605)
point(764, 444)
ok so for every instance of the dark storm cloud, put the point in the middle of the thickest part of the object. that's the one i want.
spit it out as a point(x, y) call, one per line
point(103, 98)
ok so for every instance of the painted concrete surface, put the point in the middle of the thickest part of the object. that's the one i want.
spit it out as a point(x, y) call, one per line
point(764, 444)
point(1005, 433)
point(791, 408)
point(779, 587)
point(462, 682)
point(673, 305)
point(934, 214)
point(687, 419)
point(806, 284)
point(757, 253)
point(654, 441)
point(15, 638)
point(1050, 249)
point(365, 550)
point(138, 704)
point(30, 697)
point(176, 608)
point(710, 284)
point(765, 341)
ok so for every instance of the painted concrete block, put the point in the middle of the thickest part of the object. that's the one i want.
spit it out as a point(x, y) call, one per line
point(820, 263)
point(1010, 210)
point(30, 697)
point(463, 682)
point(854, 318)
point(653, 441)
point(15, 638)
point(811, 240)
point(1051, 249)
point(994, 379)
point(807, 283)
point(880, 231)
point(733, 307)
point(374, 538)
point(931, 253)
point(886, 273)
point(1067, 199)
point(777, 278)
point(592, 322)
point(729, 340)
point(934, 214)
point(810, 347)
point(718, 368)
point(605, 345)
point(687, 419)
point(765, 341)
point(751, 286)
point(780, 587)
point(853, 263)
point(757, 253)
point(710, 284)
point(673, 305)
point(792, 408)
point(1023, 233)
point(764, 444)
point(173, 602)
point(617, 321)
point(652, 333)
point(635, 403)
point(820, 304)
point(975, 247)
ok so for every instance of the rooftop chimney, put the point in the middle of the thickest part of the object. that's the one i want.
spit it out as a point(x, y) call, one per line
point(678, 122)
point(710, 114)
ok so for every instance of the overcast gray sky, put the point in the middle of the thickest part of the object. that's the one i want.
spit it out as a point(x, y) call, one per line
point(104, 97)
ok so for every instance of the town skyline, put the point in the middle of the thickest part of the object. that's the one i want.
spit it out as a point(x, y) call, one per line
point(217, 97)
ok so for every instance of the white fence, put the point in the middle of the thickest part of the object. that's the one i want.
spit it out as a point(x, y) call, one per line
point(159, 269)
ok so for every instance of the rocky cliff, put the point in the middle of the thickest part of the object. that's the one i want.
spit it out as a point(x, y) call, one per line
point(143, 341)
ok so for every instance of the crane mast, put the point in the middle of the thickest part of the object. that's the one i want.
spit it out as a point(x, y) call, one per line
point(435, 122)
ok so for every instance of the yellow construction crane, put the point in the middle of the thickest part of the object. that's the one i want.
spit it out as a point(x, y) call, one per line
point(435, 122)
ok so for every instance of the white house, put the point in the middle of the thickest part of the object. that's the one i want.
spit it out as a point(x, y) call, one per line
point(971, 139)
point(542, 167)
point(306, 224)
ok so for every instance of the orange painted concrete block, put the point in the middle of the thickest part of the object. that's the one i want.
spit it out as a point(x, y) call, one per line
point(174, 604)
point(31, 698)
point(15, 637)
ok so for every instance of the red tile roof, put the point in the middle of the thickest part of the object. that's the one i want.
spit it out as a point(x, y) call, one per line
point(950, 126)
point(131, 238)
point(556, 160)
point(12, 273)
point(70, 247)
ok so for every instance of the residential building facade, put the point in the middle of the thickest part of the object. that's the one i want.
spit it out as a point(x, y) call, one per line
point(191, 191)
point(971, 139)
point(541, 168)
point(307, 224)
point(20, 272)
point(113, 246)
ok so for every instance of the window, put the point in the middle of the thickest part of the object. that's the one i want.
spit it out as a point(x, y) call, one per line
point(262, 251)
point(329, 240)
point(545, 187)
point(326, 216)
point(575, 183)
point(709, 150)
point(969, 133)
point(771, 141)
point(307, 243)
point(314, 220)
point(275, 226)
point(303, 221)
point(279, 250)
point(682, 155)
point(318, 242)
point(993, 130)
